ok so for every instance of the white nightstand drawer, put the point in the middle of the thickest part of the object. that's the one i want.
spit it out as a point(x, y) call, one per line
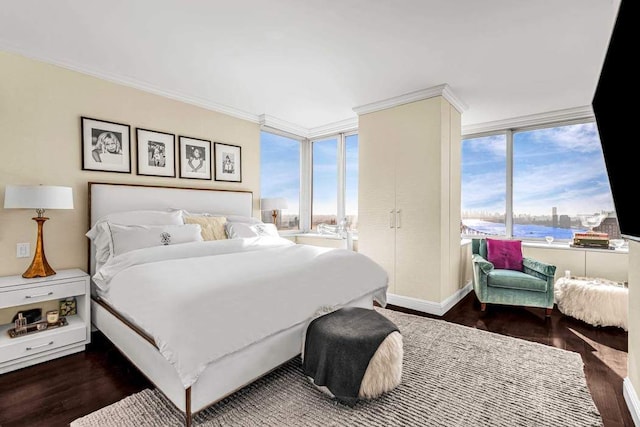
point(42, 341)
point(41, 293)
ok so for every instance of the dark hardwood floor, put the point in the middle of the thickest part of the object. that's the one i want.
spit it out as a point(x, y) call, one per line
point(57, 392)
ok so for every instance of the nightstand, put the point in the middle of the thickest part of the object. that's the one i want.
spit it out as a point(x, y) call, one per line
point(37, 347)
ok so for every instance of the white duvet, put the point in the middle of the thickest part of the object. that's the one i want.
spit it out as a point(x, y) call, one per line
point(202, 301)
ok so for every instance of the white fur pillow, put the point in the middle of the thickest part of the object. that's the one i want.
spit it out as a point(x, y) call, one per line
point(125, 238)
point(212, 226)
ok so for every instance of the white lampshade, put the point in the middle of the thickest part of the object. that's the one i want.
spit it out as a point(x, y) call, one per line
point(38, 197)
point(273, 204)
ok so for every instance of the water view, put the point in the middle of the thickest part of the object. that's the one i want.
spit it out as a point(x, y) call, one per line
point(525, 231)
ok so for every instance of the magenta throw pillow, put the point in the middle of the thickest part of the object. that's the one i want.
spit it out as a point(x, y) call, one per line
point(505, 254)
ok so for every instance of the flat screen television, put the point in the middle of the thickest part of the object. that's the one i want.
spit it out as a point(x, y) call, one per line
point(615, 113)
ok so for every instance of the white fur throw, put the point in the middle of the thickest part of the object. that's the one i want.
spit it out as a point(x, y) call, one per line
point(599, 302)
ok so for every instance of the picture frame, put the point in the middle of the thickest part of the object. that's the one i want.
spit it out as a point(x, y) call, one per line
point(195, 158)
point(156, 153)
point(106, 145)
point(228, 162)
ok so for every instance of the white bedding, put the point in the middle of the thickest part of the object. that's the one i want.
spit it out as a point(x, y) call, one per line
point(202, 301)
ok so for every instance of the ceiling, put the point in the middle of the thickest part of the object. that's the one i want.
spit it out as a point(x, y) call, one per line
point(309, 63)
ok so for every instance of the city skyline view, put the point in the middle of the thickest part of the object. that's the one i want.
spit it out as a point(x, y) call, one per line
point(560, 168)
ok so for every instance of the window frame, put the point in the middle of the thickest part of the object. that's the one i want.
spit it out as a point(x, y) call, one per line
point(289, 232)
point(509, 133)
point(306, 175)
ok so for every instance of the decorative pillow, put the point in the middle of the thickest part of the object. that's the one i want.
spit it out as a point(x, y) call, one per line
point(505, 254)
point(101, 236)
point(127, 238)
point(212, 226)
point(241, 230)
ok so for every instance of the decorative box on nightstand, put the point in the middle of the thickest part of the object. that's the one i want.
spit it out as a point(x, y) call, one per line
point(28, 349)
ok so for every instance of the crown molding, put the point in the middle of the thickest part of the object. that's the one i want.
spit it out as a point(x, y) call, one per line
point(268, 122)
point(443, 90)
point(578, 113)
point(342, 126)
point(133, 83)
point(271, 123)
point(454, 99)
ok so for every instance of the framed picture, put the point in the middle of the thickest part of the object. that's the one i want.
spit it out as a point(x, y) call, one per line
point(228, 162)
point(195, 158)
point(156, 153)
point(106, 145)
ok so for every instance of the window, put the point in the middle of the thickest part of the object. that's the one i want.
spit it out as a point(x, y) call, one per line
point(484, 185)
point(325, 182)
point(335, 181)
point(318, 178)
point(280, 177)
point(558, 175)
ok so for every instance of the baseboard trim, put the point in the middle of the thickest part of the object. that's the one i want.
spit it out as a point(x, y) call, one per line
point(631, 398)
point(430, 307)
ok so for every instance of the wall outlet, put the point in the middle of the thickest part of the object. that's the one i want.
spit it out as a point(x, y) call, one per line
point(23, 250)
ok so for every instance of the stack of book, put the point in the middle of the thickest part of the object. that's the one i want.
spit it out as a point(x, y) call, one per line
point(591, 239)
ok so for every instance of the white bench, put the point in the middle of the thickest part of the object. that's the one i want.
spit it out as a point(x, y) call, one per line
point(599, 302)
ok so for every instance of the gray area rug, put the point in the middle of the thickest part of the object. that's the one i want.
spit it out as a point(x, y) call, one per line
point(452, 376)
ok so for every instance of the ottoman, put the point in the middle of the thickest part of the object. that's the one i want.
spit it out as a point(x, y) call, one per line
point(353, 353)
point(599, 302)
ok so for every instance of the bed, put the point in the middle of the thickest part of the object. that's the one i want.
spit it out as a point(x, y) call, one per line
point(202, 319)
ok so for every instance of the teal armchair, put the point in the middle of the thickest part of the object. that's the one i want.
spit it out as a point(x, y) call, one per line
point(531, 287)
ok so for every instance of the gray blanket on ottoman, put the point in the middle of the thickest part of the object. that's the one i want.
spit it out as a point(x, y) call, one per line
point(339, 346)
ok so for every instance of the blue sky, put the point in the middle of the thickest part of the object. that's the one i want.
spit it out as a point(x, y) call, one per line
point(280, 169)
point(559, 167)
point(562, 167)
point(280, 173)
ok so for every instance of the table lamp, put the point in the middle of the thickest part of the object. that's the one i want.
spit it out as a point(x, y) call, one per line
point(274, 204)
point(38, 197)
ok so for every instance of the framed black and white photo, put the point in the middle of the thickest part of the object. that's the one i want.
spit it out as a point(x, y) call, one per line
point(195, 158)
point(228, 162)
point(106, 146)
point(156, 153)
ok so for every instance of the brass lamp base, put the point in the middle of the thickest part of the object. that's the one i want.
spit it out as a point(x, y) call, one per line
point(39, 266)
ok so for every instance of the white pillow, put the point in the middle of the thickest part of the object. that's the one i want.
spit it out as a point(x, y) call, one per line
point(243, 219)
point(127, 238)
point(240, 230)
point(143, 217)
point(101, 236)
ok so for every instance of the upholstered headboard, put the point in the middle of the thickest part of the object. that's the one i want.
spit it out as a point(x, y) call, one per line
point(105, 198)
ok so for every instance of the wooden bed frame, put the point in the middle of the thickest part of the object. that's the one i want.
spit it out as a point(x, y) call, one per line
point(231, 372)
